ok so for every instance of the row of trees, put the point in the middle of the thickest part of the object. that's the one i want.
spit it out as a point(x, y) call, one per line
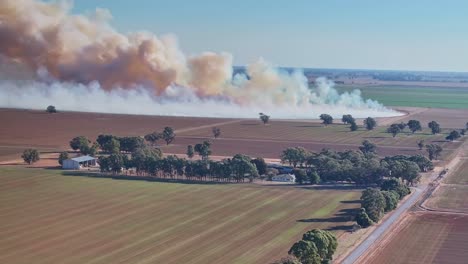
point(361, 166)
point(375, 202)
point(316, 247)
point(415, 125)
point(150, 162)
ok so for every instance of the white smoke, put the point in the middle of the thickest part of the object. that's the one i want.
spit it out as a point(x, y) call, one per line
point(81, 63)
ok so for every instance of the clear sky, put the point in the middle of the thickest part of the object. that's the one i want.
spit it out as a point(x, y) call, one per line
point(372, 34)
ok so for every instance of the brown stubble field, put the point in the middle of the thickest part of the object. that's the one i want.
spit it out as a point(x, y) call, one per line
point(52, 132)
point(47, 217)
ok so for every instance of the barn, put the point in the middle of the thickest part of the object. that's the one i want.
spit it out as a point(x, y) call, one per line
point(78, 162)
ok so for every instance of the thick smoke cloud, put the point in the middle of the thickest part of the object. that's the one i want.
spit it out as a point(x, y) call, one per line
point(81, 63)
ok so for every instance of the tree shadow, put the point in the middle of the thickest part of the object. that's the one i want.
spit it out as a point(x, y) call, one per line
point(250, 124)
point(142, 178)
point(343, 216)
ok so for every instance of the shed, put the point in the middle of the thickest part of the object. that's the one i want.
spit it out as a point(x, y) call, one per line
point(284, 178)
point(79, 162)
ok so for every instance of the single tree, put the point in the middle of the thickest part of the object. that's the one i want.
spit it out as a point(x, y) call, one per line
point(326, 119)
point(434, 151)
point(414, 125)
point(353, 126)
point(370, 123)
point(190, 151)
point(261, 165)
point(79, 143)
point(294, 156)
point(368, 147)
point(362, 219)
point(203, 149)
point(30, 156)
point(63, 156)
point(394, 129)
point(434, 126)
point(216, 132)
point(347, 119)
point(454, 135)
point(391, 200)
point(421, 144)
point(396, 185)
point(301, 176)
point(51, 109)
point(313, 176)
point(264, 118)
point(168, 135)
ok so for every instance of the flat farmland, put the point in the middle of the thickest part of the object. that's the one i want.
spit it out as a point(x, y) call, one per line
point(46, 217)
point(425, 238)
point(461, 175)
point(407, 95)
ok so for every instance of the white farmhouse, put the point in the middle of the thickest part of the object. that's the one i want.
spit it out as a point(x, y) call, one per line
point(284, 178)
point(78, 162)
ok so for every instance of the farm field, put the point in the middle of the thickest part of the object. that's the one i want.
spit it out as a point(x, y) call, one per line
point(419, 96)
point(461, 176)
point(53, 132)
point(426, 238)
point(46, 217)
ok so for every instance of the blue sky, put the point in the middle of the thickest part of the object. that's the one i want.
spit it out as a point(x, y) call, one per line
point(399, 35)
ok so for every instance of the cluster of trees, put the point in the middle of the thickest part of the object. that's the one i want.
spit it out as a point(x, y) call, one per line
point(369, 123)
point(361, 166)
point(167, 135)
point(413, 126)
point(375, 202)
point(150, 162)
point(316, 247)
point(30, 156)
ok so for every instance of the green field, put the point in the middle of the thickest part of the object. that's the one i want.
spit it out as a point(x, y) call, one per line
point(396, 95)
point(46, 217)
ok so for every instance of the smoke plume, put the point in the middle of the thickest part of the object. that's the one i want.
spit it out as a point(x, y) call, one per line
point(79, 62)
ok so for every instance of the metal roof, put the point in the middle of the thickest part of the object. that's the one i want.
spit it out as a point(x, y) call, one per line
point(83, 158)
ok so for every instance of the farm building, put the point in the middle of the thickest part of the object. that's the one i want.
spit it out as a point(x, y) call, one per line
point(78, 162)
point(284, 178)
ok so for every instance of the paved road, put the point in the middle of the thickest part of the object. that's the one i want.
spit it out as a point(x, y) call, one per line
point(383, 227)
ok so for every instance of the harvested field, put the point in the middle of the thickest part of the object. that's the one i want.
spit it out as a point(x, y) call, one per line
point(426, 238)
point(52, 132)
point(450, 197)
point(48, 218)
point(461, 175)
point(447, 118)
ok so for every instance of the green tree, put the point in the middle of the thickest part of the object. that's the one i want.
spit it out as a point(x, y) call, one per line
point(63, 156)
point(131, 144)
point(314, 178)
point(391, 200)
point(394, 184)
point(348, 119)
point(394, 129)
point(402, 126)
point(153, 137)
point(414, 125)
point(264, 118)
point(435, 127)
point(116, 163)
point(325, 242)
point(370, 123)
point(294, 156)
point(241, 167)
point(368, 147)
point(373, 201)
point(362, 219)
point(454, 135)
point(203, 149)
point(190, 151)
point(353, 126)
point(326, 119)
point(79, 143)
point(301, 175)
point(30, 156)
point(216, 132)
point(306, 252)
point(261, 165)
point(51, 109)
point(108, 143)
point(421, 144)
point(168, 135)
point(434, 151)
